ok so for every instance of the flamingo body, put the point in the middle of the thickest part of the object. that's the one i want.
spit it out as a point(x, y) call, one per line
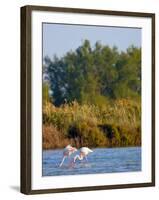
point(68, 150)
point(84, 151)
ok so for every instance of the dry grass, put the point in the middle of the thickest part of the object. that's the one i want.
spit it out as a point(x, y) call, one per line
point(115, 124)
point(52, 138)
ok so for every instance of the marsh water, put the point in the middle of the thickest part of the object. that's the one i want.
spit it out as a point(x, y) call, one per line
point(101, 160)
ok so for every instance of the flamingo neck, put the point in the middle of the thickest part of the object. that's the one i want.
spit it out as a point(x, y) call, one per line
point(78, 157)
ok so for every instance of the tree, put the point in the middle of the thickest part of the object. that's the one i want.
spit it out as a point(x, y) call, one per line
point(92, 75)
point(129, 73)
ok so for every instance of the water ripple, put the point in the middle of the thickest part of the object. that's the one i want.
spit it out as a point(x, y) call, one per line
point(102, 160)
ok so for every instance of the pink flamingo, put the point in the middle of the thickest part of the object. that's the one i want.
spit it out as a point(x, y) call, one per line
point(84, 151)
point(68, 150)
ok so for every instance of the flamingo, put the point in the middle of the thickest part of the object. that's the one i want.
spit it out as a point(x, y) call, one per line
point(84, 151)
point(68, 150)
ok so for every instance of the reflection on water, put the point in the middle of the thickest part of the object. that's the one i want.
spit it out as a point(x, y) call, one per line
point(102, 160)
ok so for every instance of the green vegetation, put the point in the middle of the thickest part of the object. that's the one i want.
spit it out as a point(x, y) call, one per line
point(116, 124)
point(91, 97)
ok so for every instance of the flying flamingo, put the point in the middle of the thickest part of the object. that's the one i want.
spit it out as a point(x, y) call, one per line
point(84, 151)
point(68, 150)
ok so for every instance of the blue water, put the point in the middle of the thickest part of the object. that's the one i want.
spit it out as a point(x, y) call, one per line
point(102, 160)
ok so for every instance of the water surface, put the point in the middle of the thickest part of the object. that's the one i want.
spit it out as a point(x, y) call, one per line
point(102, 160)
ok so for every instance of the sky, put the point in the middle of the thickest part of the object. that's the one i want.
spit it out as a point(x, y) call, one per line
point(60, 38)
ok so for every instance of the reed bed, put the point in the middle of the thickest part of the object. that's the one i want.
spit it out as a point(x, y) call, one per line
point(114, 124)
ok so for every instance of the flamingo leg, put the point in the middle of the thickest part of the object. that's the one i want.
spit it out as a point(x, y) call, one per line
point(70, 161)
point(86, 159)
point(62, 161)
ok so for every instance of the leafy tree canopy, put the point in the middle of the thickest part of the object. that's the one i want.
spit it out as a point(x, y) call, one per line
point(94, 74)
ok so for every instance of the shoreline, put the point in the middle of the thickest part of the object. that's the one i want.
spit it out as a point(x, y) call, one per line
point(97, 148)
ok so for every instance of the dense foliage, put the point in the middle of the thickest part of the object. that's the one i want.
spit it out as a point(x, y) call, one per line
point(91, 97)
point(93, 75)
point(115, 124)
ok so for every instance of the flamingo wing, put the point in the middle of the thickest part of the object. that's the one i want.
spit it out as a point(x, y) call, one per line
point(85, 150)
